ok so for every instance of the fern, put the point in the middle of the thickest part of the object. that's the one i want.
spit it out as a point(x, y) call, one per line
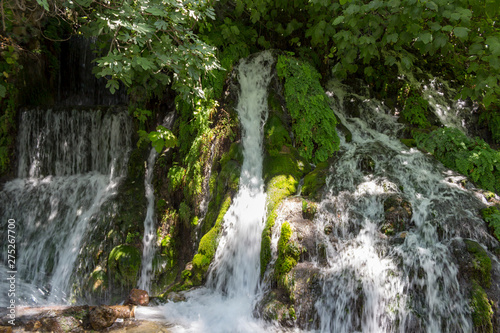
point(472, 157)
point(492, 216)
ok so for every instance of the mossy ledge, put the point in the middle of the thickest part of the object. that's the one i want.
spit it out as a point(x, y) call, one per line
point(283, 167)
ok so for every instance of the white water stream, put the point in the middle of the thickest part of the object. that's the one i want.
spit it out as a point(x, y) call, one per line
point(408, 282)
point(226, 303)
point(70, 163)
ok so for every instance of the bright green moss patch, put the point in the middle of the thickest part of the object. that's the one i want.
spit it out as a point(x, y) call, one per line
point(481, 263)
point(492, 216)
point(482, 312)
point(288, 255)
point(124, 263)
point(208, 244)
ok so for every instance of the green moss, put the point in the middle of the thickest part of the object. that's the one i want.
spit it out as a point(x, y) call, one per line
point(288, 255)
point(410, 143)
point(313, 121)
point(124, 263)
point(208, 245)
point(481, 263)
point(482, 312)
point(282, 169)
point(315, 180)
point(276, 136)
point(492, 216)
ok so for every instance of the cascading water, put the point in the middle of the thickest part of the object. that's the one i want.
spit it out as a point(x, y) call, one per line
point(226, 304)
point(70, 163)
point(407, 281)
point(149, 222)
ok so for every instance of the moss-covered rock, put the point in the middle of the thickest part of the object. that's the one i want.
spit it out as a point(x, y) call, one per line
point(283, 167)
point(482, 312)
point(208, 247)
point(481, 263)
point(314, 181)
point(124, 263)
point(397, 213)
point(288, 255)
point(309, 209)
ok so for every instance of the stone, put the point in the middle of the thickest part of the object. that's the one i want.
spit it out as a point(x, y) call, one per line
point(398, 213)
point(124, 311)
point(138, 297)
point(102, 317)
point(60, 324)
point(5, 329)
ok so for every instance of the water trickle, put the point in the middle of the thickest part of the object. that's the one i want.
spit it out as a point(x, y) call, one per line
point(70, 164)
point(149, 246)
point(226, 304)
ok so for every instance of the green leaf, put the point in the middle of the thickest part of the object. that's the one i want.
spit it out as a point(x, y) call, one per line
point(390, 60)
point(369, 71)
point(461, 32)
point(440, 40)
point(425, 37)
point(407, 63)
point(112, 85)
point(392, 38)
point(492, 8)
point(338, 20)
point(158, 145)
point(3, 91)
point(488, 99)
point(44, 4)
point(235, 30)
point(156, 11)
point(431, 5)
point(493, 45)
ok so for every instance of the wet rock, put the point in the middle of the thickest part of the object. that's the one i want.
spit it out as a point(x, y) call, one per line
point(366, 164)
point(102, 317)
point(328, 229)
point(398, 213)
point(124, 311)
point(176, 297)
point(138, 297)
point(58, 324)
point(275, 307)
point(5, 329)
point(306, 291)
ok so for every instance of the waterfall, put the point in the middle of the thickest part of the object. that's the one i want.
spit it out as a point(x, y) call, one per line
point(149, 221)
point(406, 282)
point(70, 163)
point(226, 304)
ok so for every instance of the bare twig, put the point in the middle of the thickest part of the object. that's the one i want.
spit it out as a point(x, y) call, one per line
point(3, 16)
